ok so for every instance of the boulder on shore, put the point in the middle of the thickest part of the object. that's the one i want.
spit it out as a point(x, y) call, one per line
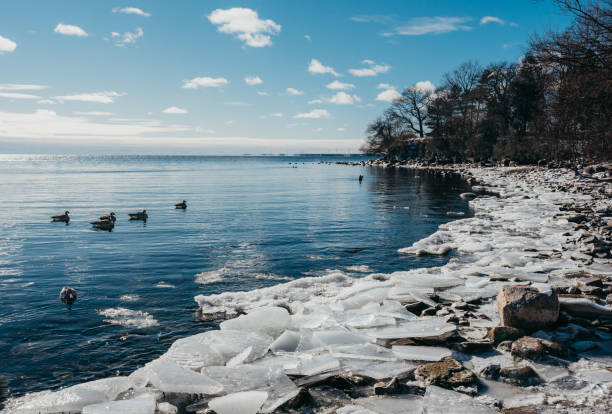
point(526, 308)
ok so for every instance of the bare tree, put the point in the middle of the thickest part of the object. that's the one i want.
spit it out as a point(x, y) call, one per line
point(410, 111)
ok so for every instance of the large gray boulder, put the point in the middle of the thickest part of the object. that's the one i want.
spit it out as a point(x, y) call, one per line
point(526, 308)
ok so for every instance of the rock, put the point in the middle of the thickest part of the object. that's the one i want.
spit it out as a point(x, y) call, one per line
point(609, 299)
point(526, 308)
point(428, 312)
point(491, 372)
point(580, 218)
point(395, 387)
point(592, 281)
point(582, 346)
point(528, 347)
point(447, 373)
point(472, 347)
point(505, 346)
point(522, 375)
point(502, 333)
point(586, 308)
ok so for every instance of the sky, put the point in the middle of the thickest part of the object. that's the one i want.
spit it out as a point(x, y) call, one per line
point(234, 77)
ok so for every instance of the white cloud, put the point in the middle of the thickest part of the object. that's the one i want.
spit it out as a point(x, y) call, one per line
point(230, 122)
point(390, 94)
point(93, 113)
point(97, 97)
point(436, 25)
point(253, 80)
point(131, 10)
point(293, 91)
point(314, 114)
point(237, 103)
point(373, 70)
point(317, 67)
point(341, 129)
point(175, 110)
point(367, 62)
point(45, 124)
point(262, 93)
point(7, 45)
point(205, 82)
point(47, 102)
point(246, 25)
point(343, 98)
point(70, 30)
point(20, 87)
point(337, 85)
point(424, 87)
point(491, 19)
point(318, 129)
point(307, 37)
point(127, 37)
point(315, 101)
point(277, 115)
point(18, 95)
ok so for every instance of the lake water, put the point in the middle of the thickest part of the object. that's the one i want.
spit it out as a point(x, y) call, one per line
point(251, 222)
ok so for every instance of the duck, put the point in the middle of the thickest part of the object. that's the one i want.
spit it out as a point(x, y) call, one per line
point(62, 217)
point(182, 205)
point(103, 225)
point(109, 217)
point(141, 215)
point(68, 295)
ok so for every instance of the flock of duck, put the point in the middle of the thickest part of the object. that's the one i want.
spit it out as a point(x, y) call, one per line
point(107, 222)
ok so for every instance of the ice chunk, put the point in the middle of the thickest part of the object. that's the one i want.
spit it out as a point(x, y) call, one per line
point(377, 369)
point(271, 320)
point(191, 353)
point(166, 408)
point(403, 404)
point(287, 342)
point(438, 243)
point(67, 400)
point(230, 343)
point(438, 400)
point(362, 351)
point(431, 280)
point(370, 321)
point(354, 409)
point(315, 365)
point(421, 353)
point(248, 402)
point(111, 387)
point(128, 317)
point(340, 337)
point(143, 404)
point(168, 376)
point(261, 378)
point(422, 328)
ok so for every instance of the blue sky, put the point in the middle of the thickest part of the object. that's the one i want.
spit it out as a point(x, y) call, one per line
point(169, 77)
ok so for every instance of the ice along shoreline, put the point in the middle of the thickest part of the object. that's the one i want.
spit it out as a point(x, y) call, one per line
point(357, 345)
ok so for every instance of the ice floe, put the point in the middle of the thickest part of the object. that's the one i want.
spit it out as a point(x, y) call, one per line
point(128, 317)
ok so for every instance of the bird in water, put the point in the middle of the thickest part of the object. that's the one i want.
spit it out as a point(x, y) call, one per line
point(182, 205)
point(360, 178)
point(109, 217)
point(141, 215)
point(65, 218)
point(107, 225)
point(68, 295)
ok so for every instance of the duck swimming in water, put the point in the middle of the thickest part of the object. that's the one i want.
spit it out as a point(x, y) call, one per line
point(68, 295)
point(109, 217)
point(62, 217)
point(107, 225)
point(182, 205)
point(141, 215)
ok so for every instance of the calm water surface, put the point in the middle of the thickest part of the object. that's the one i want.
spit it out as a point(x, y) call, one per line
point(251, 222)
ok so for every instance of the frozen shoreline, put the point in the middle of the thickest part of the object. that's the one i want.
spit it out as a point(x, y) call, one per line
point(297, 334)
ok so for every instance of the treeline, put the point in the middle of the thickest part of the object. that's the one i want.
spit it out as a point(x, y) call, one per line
point(556, 104)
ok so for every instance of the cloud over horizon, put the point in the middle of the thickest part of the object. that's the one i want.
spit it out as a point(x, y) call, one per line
point(131, 10)
point(106, 97)
point(205, 82)
point(70, 30)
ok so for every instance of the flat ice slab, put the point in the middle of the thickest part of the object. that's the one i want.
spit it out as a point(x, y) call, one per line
point(144, 404)
point(248, 402)
point(421, 353)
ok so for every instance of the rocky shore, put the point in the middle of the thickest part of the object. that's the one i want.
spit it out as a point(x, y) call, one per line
point(518, 321)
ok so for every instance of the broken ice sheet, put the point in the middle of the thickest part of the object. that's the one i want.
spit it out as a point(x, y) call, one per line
point(230, 343)
point(270, 320)
point(422, 328)
point(438, 400)
point(370, 321)
point(71, 399)
point(403, 404)
point(511, 396)
point(421, 353)
point(362, 351)
point(249, 378)
point(377, 369)
point(340, 337)
point(191, 353)
point(315, 365)
point(168, 376)
point(143, 404)
point(248, 402)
